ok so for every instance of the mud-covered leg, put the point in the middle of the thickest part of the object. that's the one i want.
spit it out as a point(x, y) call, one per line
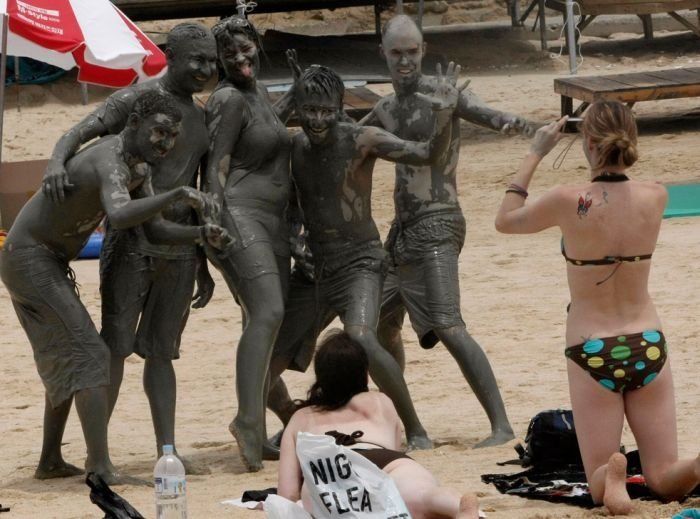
point(475, 367)
point(51, 463)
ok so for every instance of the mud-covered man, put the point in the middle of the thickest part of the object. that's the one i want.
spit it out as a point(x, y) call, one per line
point(112, 178)
point(429, 229)
point(147, 283)
point(332, 166)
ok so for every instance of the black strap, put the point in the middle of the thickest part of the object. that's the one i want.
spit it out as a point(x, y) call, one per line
point(610, 176)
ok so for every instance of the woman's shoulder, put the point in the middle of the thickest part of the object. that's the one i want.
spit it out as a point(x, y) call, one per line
point(373, 402)
point(226, 93)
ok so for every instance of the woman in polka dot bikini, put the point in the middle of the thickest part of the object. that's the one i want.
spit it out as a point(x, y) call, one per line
point(616, 353)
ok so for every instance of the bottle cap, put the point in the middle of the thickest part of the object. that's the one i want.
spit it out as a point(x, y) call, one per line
point(167, 449)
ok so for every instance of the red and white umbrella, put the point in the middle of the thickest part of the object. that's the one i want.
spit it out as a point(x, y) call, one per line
point(93, 35)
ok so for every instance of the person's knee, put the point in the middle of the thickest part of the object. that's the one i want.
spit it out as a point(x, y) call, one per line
point(269, 315)
point(654, 480)
point(361, 334)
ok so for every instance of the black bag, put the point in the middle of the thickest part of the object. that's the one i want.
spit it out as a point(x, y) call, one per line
point(114, 505)
point(551, 441)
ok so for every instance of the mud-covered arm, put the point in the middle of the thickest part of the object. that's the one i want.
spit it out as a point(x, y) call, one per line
point(442, 101)
point(111, 117)
point(205, 283)
point(225, 113)
point(55, 181)
point(473, 109)
point(298, 234)
point(387, 146)
point(284, 106)
point(124, 212)
point(373, 118)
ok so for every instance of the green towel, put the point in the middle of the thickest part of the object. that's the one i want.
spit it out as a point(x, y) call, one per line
point(683, 200)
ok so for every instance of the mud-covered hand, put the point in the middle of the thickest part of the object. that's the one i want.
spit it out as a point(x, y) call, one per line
point(55, 182)
point(205, 285)
point(519, 126)
point(293, 63)
point(547, 137)
point(205, 204)
point(217, 237)
point(303, 259)
point(446, 94)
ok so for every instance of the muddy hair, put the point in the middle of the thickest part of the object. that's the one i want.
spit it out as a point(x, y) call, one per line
point(153, 102)
point(611, 127)
point(341, 368)
point(186, 32)
point(321, 81)
point(398, 20)
point(224, 31)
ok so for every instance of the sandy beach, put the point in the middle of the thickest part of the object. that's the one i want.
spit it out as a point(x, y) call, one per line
point(514, 296)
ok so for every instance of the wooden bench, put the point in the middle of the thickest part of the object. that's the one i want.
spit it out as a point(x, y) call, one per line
point(627, 88)
point(590, 9)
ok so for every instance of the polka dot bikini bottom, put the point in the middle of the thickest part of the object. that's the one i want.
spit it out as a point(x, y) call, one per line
point(622, 363)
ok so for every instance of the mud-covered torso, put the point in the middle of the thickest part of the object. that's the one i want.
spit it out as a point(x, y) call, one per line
point(66, 227)
point(335, 194)
point(420, 189)
point(259, 168)
point(178, 168)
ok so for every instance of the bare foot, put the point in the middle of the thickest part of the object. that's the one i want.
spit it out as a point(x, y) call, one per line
point(194, 468)
point(57, 470)
point(468, 507)
point(116, 478)
point(271, 446)
point(498, 437)
point(276, 439)
point(616, 498)
point(419, 442)
point(270, 451)
point(248, 445)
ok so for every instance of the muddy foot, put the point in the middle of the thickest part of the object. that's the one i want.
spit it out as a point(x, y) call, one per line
point(270, 451)
point(419, 442)
point(248, 440)
point(468, 507)
point(276, 439)
point(117, 478)
point(497, 438)
point(616, 498)
point(57, 470)
point(194, 468)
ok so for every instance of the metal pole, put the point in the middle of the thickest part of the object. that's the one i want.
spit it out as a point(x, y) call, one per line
point(420, 15)
point(571, 36)
point(3, 69)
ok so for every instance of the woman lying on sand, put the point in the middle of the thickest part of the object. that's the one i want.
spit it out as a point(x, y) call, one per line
point(339, 400)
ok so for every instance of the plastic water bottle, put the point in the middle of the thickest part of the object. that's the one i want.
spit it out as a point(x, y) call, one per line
point(169, 476)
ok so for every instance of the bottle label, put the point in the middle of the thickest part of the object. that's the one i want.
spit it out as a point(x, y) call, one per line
point(170, 486)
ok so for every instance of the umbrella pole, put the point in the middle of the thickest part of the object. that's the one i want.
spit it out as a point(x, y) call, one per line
point(3, 70)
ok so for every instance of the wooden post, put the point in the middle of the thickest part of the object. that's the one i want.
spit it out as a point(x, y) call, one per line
point(3, 71)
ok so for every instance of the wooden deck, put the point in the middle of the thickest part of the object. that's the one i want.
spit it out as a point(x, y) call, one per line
point(627, 88)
